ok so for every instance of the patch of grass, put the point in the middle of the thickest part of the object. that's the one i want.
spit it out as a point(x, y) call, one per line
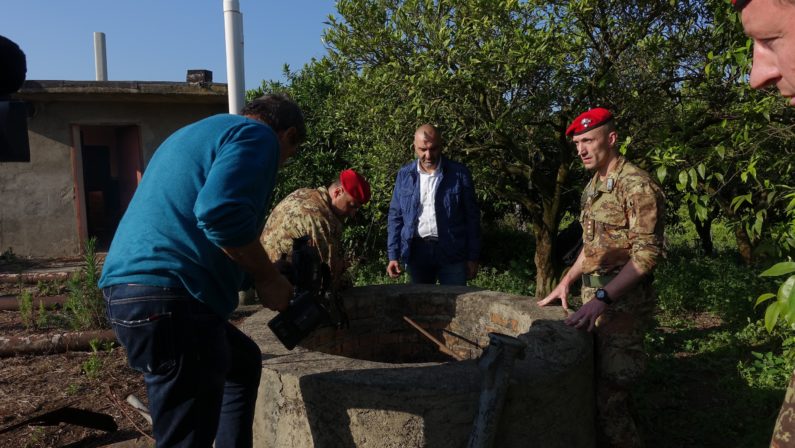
point(694, 385)
point(72, 389)
point(374, 273)
point(515, 280)
point(701, 400)
point(688, 284)
point(682, 235)
point(92, 367)
point(36, 437)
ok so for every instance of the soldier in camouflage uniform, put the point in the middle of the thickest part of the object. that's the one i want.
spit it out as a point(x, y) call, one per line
point(770, 24)
point(622, 221)
point(319, 214)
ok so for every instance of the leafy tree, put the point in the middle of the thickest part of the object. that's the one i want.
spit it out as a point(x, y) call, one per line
point(320, 158)
point(727, 150)
point(503, 79)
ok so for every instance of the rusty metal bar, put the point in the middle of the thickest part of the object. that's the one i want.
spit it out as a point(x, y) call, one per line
point(442, 348)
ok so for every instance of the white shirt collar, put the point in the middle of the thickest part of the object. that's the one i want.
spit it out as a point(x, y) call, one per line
point(435, 172)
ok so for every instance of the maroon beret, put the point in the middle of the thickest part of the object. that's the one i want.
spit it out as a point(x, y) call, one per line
point(740, 4)
point(355, 185)
point(587, 121)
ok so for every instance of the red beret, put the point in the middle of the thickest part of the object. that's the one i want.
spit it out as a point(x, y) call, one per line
point(587, 121)
point(740, 4)
point(355, 185)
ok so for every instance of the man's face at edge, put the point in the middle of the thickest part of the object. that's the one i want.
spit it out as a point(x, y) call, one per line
point(771, 25)
point(287, 145)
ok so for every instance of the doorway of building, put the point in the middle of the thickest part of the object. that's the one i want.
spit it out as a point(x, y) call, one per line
point(110, 158)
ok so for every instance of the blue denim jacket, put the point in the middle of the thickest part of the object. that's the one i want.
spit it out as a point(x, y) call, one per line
point(457, 213)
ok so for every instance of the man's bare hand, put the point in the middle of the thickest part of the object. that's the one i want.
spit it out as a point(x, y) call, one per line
point(586, 316)
point(393, 269)
point(560, 292)
point(275, 292)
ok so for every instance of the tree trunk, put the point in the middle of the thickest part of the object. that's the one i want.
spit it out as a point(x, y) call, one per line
point(52, 343)
point(545, 268)
point(34, 277)
point(11, 303)
point(744, 245)
point(704, 230)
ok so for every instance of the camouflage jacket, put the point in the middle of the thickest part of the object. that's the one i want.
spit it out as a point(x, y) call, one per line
point(622, 220)
point(305, 211)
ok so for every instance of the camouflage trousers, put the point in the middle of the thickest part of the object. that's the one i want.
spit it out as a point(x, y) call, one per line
point(784, 431)
point(620, 361)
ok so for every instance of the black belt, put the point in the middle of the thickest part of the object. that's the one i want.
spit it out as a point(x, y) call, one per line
point(428, 239)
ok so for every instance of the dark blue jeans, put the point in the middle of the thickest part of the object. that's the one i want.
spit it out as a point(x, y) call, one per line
point(426, 265)
point(201, 373)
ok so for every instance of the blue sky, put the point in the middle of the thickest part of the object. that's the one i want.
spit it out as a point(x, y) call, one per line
point(159, 40)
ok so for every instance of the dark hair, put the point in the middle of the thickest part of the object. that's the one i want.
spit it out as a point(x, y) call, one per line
point(279, 112)
point(14, 64)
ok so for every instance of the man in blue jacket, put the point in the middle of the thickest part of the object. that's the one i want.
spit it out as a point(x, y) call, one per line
point(180, 253)
point(434, 219)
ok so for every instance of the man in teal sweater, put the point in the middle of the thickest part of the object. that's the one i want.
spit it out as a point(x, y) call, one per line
point(179, 256)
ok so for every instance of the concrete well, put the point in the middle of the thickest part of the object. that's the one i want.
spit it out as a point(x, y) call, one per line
point(380, 383)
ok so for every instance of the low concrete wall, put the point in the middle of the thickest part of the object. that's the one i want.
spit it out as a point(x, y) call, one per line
point(317, 398)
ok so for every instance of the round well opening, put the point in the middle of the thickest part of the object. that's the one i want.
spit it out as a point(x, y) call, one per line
point(428, 328)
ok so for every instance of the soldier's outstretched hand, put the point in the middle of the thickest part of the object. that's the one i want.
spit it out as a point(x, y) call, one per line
point(560, 292)
point(585, 317)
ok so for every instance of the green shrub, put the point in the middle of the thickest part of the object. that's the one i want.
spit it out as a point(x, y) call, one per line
point(507, 249)
point(681, 235)
point(92, 367)
point(698, 284)
point(516, 280)
point(85, 305)
point(373, 272)
point(42, 317)
point(766, 370)
point(50, 288)
point(26, 309)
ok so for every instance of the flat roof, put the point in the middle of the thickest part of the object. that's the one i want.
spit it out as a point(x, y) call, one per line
point(127, 91)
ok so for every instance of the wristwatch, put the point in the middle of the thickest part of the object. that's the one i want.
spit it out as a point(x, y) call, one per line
point(601, 295)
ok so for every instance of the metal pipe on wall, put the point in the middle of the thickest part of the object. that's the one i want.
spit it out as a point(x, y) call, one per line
point(233, 31)
point(100, 57)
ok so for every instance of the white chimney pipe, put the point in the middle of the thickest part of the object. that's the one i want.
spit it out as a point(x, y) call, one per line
point(100, 57)
point(233, 27)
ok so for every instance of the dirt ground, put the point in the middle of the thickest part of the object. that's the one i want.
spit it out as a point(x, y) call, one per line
point(97, 381)
point(100, 382)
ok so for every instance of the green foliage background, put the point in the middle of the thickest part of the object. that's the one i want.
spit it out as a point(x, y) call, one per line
point(502, 79)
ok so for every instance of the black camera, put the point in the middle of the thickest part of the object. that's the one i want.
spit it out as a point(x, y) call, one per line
point(313, 304)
